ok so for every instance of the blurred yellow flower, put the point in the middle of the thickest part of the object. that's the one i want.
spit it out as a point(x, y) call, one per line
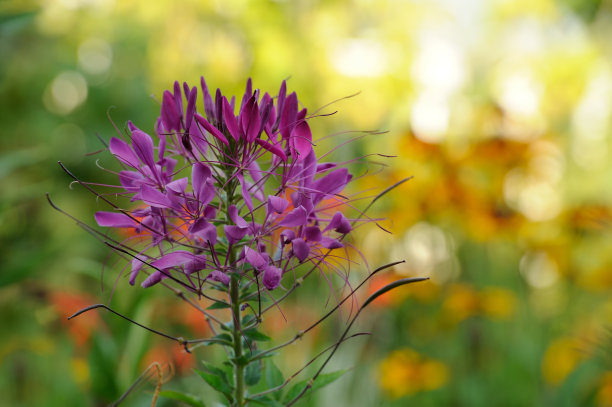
point(464, 301)
point(405, 372)
point(496, 302)
point(560, 359)
point(79, 367)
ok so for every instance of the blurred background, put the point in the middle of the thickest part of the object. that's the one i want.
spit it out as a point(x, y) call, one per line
point(499, 109)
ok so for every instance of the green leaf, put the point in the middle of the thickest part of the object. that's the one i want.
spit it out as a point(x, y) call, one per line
point(217, 379)
point(274, 378)
point(248, 319)
point(185, 398)
point(255, 335)
point(321, 381)
point(219, 305)
point(252, 373)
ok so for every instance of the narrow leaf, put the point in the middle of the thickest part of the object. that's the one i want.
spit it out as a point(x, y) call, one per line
point(185, 398)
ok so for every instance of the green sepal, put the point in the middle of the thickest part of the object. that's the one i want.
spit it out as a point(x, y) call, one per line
point(185, 398)
point(321, 381)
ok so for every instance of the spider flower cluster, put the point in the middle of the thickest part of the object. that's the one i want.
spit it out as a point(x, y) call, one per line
point(227, 190)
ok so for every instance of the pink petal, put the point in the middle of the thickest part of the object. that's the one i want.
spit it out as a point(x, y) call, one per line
point(254, 258)
point(143, 147)
point(171, 118)
point(296, 217)
point(153, 197)
point(330, 243)
point(277, 204)
point(234, 217)
point(230, 120)
point(115, 220)
point(191, 107)
point(234, 233)
point(301, 139)
point(288, 116)
point(339, 223)
point(300, 249)
point(123, 152)
point(272, 148)
point(312, 233)
point(271, 277)
point(211, 129)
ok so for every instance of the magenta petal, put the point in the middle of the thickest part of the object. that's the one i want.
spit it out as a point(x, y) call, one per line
point(300, 249)
point(178, 98)
point(312, 233)
point(211, 129)
point(178, 186)
point(301, 139)
point(288, 235)
point(332, 183)
point(153, 279)
point(234, 217)
point(288, 116)
point(173, 259)
point(339, 223)
point(272, 148)
point(277, 204)
point(204, 230)
point(250, 122)
point(219, 276)
point(330, 243)
point(296, 217)
point(153, 197)
point(130, 180)
point(209, 106)
point(196, 263)
point(137, 263)
point(191, 107)
point(115, 220)
point(254, 258)
point(171, 118)
point(246, 195)
point(143, 147)
point(234, 233)
point(280, 100)
point(123, 152)
point(200, 173)
point(230, 120)
point(271, 277)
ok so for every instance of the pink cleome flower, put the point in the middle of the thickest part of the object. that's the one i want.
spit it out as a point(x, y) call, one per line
point(222, 192)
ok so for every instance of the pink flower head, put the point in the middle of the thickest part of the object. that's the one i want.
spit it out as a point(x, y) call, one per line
point(230, 188)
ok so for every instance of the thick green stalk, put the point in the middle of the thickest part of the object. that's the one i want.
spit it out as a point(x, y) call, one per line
point(238, 365)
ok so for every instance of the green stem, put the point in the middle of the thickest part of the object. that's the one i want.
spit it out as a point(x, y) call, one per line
point(238, 363)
